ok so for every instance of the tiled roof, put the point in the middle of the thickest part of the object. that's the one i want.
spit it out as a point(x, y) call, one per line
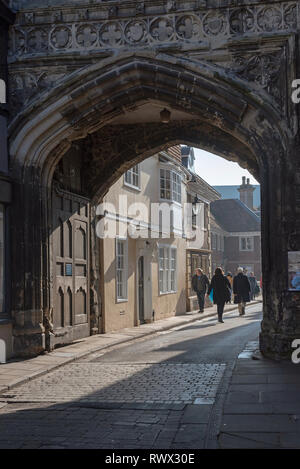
point(175, 152)
point(231, 192)
point(202, 188)
point(234, 216)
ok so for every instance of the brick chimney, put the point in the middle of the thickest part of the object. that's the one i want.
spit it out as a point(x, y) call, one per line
point(246, 193)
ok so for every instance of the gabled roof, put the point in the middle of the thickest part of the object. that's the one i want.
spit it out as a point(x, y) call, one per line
point(234, 216)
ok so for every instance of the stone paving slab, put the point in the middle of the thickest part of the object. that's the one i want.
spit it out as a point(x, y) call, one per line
point(76, 426)
point(262, 407)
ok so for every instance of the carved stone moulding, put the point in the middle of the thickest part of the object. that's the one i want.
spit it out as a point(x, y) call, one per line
point(85, 33)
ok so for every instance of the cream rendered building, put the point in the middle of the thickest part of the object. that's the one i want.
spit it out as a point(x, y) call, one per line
point(144, 278)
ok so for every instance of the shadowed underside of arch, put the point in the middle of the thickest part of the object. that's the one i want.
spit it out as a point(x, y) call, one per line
point(98, 95)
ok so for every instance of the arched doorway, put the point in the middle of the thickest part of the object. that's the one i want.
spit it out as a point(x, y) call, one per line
point(111, 112)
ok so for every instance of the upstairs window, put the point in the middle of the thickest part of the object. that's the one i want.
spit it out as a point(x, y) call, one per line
point(246, 243)
point(170, 185)
point(132, 177)
point(214, 241)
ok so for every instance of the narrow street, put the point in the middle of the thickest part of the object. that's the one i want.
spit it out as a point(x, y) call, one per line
point(160, 392)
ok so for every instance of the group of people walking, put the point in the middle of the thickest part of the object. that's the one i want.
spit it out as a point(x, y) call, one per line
point(223, 287)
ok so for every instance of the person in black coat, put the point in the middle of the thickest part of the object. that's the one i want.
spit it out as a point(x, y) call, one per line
point(221, 291)
point(241, 291)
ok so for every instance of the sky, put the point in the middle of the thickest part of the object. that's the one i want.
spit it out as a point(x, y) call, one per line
point(219, 172)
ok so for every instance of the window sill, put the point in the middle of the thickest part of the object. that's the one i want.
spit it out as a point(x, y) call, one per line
point(135, 188)
point(168, 293)
point(170, 201)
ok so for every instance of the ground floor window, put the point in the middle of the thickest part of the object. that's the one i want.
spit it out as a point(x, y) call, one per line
point(121, 269)
point(167, 269)
point(2, 258)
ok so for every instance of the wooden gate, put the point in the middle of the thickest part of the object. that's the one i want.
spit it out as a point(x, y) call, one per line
point(71, 225)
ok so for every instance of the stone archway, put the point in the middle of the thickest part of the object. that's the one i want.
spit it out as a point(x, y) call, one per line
point(211, 109)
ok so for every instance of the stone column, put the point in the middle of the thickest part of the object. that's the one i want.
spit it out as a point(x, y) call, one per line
point(280, 234)
point(6, 18)
point(28, 283)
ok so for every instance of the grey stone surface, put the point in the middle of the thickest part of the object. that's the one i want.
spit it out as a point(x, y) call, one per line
point(265, 417)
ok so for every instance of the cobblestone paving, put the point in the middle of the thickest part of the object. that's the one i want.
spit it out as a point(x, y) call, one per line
point(124, 383)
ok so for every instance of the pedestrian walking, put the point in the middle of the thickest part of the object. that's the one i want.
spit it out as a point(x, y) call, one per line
point(221, 291)
point(253, 285)
point(241, 291)
point(230, 279)
point(200, 284)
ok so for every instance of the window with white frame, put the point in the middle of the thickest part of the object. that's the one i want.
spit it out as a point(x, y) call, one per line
point(170, 185)
point(132, 177)
point(121, 269)
point(167, 265)
point(246, 243)
point(2, 258)
point(214, 241)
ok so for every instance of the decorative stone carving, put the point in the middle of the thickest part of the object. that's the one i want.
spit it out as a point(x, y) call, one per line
point(214, 23)
point(57, 17)
point(61, 37)
point(290, 16)
point(136, 31)
point(112, 11)
point(269, 19)
point(29, 18)
point(161, 29)
point(242, 21)
point(194, 24)
point(188, 27)
point(111, 34)
point(264, 70)
point(140, 8)
point(24, 86)
point(171, 5)
point(20, 41)
point(37, 40)
point(83, 14)
point(86, 35)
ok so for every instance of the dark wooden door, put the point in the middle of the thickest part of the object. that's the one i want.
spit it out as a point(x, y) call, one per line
point(71, 267)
